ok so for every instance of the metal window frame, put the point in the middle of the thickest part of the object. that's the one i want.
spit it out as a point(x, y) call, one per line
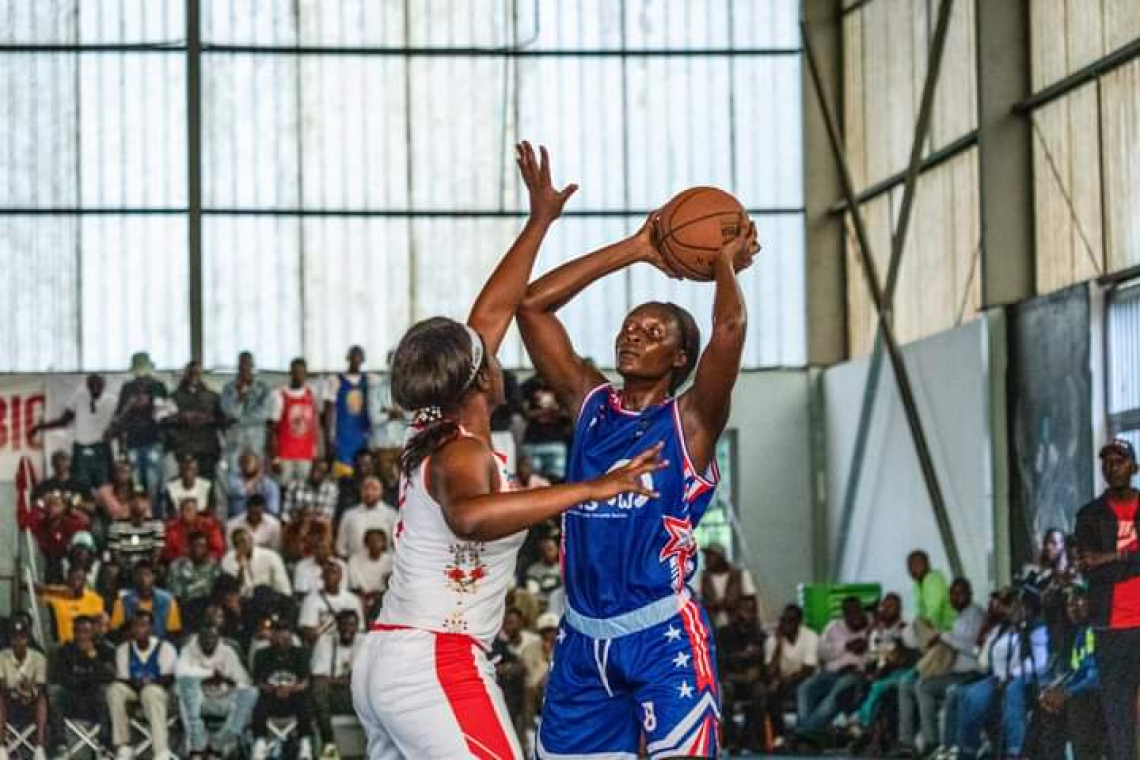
point(1125, 420)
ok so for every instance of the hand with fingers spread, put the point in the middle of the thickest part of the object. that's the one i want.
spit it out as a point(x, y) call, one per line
point(546, 201)
point(741, 249)
point(628, 477)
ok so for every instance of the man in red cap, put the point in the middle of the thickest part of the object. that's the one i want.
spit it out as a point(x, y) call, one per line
point(1108, 552)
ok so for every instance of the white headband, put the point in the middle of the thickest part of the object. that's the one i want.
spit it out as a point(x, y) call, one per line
point(476, 355)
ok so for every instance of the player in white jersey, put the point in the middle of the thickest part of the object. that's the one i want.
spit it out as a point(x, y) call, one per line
point(421, 684)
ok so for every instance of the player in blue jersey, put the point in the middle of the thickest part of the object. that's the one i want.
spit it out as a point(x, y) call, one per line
point(635, 654)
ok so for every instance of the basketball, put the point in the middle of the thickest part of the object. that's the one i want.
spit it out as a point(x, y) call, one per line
point(693, 226)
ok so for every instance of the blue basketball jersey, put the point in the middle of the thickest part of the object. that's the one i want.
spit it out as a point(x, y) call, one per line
point(632, 550)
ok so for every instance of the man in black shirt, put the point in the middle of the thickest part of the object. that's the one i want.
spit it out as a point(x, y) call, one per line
point(740, 654)
point(137, 422)
point(73, 493)
point(195, 429)
point(80, 673)
point(281, 674)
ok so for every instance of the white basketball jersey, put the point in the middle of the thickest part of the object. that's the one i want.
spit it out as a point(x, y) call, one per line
point(443, 583)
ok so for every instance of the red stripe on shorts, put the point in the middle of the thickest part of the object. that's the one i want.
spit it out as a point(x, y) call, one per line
point(467, 694)
point(699, 641)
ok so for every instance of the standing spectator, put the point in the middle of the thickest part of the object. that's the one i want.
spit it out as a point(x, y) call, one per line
point(318, 493)
point(245, 407)
point(722, 585)
point(294, 434)
point(889, 662)
point(347, 412)
point(927, 689)
point(372, 512)
point(254, 566)
point(842, 649)
point(195, 427)
point(54, 523)
point(548, 428)
point(80, 673)
point(187, 521)
point(92, 411)
point(142, 401)
point(212, 681)
point(191, 580)
point(1053, 574)
point(369, 570)
point(544, 577)
point(935, 613)
point(251, 479)
point(264, 528)
point(320, 608)
point(304, 532)
point(331, 669)
point(281, 673)
point(188, 486)
point(23, 698)
point(740, 656)
point(1108, 551)
point(113, 499)
point(791, 656)
point(70, 602)
point(62, 481)
point(144, 665)
point(349, 487)
point(138, 537)
point(166, 617)
point(526, 477)
point(308, 574)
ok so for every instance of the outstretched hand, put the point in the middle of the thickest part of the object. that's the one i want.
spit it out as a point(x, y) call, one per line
point(628, 477)
point(741, 249)
point(546, 201)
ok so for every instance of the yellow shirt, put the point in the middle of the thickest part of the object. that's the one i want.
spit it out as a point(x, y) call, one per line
point(66, 609)
point(173, 615)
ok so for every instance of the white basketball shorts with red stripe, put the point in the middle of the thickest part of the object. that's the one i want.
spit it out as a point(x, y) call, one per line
point(430, 696)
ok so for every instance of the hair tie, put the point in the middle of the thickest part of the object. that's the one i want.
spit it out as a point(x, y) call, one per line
point(425, 416)
point(476, 355)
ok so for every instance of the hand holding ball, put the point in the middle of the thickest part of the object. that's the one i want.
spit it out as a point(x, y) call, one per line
point(693, 228)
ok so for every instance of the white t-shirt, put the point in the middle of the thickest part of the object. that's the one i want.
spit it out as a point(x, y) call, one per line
point(267, 534)
point(793, 657)
point(265, 568)
point(319, 610)
point(367, 574)
point(358, 521)
point(199, 491)
point(90, 425)
point(307, 575)
point(720, 586)
point(332, 658)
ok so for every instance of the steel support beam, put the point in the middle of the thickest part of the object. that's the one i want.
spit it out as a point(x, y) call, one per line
point(194, 173)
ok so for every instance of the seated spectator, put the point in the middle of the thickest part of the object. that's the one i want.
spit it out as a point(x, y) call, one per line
point(320, 608)
point(372, 512)
point(225, 615)
point(331, 669)
point(188, 486)
point(526, 477)
point(70, 602)
point(212, 682)
point(791, 656)
point(740, 655)
point(1053, 574)
point(301, 535)
point(927, 688)
point(544, 577)
point(263, 527)
point(350, 487)
point(74, 494)
point(191, 519)
point(308, 573)
point(720, 585)
point(112, 580)
point(166, 617)
point(1015, 658)
point(548, 429)
point(113, 499)
point(281, 674)
point(54, 523)
point(23, 698)
point(536, 657)
point(369, 570)
point(842, 648)
point(317, 493)
point(889, 662)
point(80, 673)
point(1070, 708)
point(191, 579)
point(82, 551)
point(251, 479)
point(254, 566)
point(138, 537)
point(144, 666)
point(510, 668)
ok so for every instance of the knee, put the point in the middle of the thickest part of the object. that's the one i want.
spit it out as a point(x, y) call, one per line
point(153, 697)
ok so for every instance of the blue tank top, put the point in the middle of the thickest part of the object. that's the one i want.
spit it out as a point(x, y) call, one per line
point(631, 550)
point(352, 422)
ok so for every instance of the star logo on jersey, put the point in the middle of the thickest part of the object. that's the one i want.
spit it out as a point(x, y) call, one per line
point(681, 660)
point(673, 633)
point(679, 550)
point(684, 691)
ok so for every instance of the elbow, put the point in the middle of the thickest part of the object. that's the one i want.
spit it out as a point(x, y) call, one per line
point(732, 327)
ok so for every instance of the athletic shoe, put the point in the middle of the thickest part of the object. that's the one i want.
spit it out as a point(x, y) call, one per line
point(330, 752)
point(125, 753)
point(260, 750)
point(306, 750)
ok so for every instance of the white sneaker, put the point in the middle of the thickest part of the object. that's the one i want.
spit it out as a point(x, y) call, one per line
point(260, 749)
point(125, 753)
point(306, 750)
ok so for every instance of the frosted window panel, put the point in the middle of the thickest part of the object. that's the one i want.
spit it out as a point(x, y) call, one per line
point(136, 290)
point(356, 283)
point(584, 25)
point(252, 284)
point(38, 294)
point(352, 23)
point(63, 22)
point(250, 132)
point(1124, 350)
point(38, 130)
point(474, 23)
point(766, 24)
point(767, 131)
point(574, 106)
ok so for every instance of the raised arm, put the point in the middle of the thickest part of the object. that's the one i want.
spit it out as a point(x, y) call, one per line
point(496, 304)
point(705, 406)
point(546, 339)
point(463, 479)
